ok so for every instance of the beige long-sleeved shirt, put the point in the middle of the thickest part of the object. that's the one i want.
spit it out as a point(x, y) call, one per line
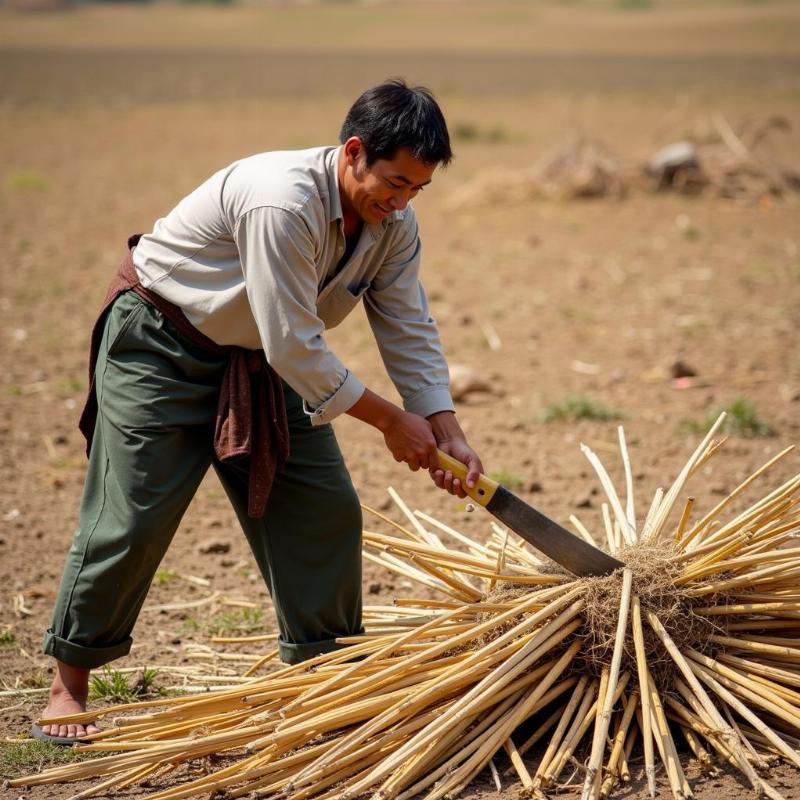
point(251, 257)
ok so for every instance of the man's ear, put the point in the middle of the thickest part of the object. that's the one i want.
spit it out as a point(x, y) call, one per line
point(353, 150)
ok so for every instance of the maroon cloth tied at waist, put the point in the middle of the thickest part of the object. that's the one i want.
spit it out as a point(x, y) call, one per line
point(251, 425)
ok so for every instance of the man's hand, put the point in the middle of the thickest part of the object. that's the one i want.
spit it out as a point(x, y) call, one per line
point(409, 437)
point(414, 439)
point(451, 440)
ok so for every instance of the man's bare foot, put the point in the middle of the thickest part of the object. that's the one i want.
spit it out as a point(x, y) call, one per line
point(68, 696)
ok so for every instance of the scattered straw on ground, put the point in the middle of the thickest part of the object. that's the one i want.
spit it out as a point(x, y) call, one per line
point(692, 644)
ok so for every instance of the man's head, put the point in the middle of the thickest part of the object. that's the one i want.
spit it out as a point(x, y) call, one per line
point(394, 137)
point(392, 116)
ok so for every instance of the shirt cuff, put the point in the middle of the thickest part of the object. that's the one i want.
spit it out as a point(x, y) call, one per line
point(340, 401)
point(429, 401)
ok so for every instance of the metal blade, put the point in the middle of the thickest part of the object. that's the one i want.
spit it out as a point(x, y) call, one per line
point(572, 552)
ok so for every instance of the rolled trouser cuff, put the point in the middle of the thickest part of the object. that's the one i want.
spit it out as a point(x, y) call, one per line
point(82, 657)
point(296, 653)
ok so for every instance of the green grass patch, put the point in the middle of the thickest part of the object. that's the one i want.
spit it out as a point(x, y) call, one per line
point(224, 623)
point(113, 686)
point(690, 233)
point(23, 758)
point(7, 637)
point(240, 620)
point(692, 427)
point(576, 314)
point(509, 479)
point(742, 420)
point(163, 576)
point(191, 625)
point(470, 132)
point(27, 180)
point(577, 407)
point(70, 386)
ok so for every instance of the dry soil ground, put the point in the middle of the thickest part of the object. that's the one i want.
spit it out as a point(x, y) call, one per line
point(109, 116)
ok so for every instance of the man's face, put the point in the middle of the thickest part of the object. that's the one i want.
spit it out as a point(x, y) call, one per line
point(375, 191)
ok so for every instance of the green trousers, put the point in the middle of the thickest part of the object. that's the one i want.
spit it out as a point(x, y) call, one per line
point(157, 397)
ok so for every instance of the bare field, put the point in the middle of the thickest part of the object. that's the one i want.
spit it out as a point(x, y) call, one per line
point(698, 27)
point(64, 80)
point(104, 126)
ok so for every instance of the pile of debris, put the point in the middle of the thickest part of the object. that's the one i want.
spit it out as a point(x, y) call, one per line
point(733, 162)
point(583, 168)
point(736, 162)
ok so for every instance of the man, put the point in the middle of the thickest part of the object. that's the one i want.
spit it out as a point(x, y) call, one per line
point(265, 255)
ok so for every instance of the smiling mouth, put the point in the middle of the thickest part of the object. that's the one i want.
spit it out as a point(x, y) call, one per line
point(382, 209)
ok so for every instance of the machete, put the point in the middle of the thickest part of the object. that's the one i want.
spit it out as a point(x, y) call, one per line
point(563, 547)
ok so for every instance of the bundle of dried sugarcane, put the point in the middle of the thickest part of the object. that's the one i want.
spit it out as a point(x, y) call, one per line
point(695, 637)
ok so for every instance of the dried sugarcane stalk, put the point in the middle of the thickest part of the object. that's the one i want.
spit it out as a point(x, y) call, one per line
point(593, 783)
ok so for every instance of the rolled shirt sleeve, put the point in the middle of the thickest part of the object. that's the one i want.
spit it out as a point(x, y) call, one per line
point(276, 250)
point(407, 337)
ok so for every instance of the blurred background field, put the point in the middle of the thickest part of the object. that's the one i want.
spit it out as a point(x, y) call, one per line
point(564, 314)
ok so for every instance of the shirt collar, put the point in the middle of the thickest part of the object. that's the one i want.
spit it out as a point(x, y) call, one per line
point(333, 184)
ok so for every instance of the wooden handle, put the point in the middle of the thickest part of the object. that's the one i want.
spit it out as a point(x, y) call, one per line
point(484, 489)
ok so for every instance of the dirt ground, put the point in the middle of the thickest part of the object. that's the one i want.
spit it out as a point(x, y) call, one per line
point(105, 126)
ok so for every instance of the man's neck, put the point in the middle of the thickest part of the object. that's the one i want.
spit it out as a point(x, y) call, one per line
point(352, 224)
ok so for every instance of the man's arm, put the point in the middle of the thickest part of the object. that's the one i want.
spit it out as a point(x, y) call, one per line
point(406, 334)
point(408, 340)
point(408, 436)
point(414, 439)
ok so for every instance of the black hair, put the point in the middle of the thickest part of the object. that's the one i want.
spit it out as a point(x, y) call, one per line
point(393, 115)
